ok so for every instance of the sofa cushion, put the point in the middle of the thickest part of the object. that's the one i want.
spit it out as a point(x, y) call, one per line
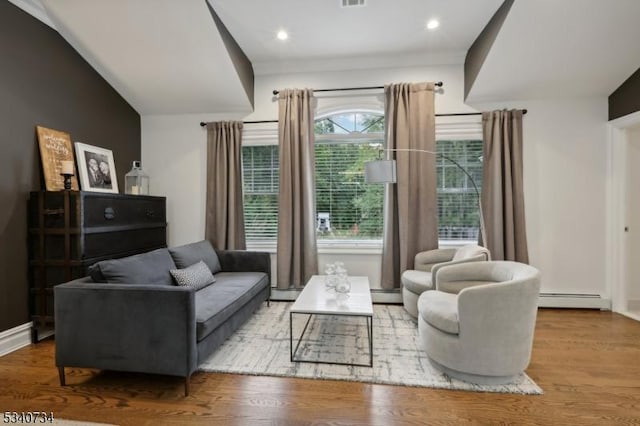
point(216, 303)
point(146, 268)
point(189, 254)
point(440, 310)
point(196, 276)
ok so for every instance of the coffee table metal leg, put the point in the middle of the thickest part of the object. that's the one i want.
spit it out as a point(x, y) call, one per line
point(293, 352)
point(370, 332)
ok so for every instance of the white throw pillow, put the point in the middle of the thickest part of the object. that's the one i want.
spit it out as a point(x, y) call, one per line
point(196, 276)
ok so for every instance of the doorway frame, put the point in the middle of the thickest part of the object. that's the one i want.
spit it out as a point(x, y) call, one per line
point(617, 203)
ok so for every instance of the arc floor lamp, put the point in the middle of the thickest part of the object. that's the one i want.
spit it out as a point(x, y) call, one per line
point(384, 171)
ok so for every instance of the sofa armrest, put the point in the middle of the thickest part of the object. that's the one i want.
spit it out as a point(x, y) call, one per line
point(425, 260)
point(245, 261)
point(126, 327)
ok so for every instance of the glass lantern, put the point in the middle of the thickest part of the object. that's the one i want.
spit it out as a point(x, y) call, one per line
point(136, 182)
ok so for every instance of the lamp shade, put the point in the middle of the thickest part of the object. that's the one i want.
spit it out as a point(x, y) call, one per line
point(380, 171)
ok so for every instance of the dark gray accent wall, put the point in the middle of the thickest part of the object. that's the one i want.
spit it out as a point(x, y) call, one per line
point(44, 81)
point(626, 98)
point(242, 64)
point(480, 48)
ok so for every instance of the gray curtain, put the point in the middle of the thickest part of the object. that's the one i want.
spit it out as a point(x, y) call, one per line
point(297, 250)
point(224, 221)
point(410, 212)
point(502, 187)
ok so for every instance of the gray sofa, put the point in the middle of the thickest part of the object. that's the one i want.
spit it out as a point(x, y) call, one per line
point(129, 314)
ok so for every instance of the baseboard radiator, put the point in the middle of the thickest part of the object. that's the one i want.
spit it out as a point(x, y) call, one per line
point(562, 300)
point(547, 300)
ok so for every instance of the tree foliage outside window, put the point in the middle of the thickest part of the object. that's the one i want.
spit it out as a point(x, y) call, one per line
point(347, 208)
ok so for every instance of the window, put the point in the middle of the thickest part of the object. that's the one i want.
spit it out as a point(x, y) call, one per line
point(458, 211)
point(260, 186)
point(349, 210)
point(346, 207)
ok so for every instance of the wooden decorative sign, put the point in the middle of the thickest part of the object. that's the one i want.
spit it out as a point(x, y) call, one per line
point(55, 147)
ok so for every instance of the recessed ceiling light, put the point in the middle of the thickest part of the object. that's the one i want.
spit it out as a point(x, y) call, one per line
point(282, 35)
point(433, 24)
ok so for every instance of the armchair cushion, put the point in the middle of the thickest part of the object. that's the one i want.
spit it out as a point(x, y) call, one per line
point(188, 254)
point(424, 260)
point(417, 281)
point(456, 287)
point(196, 276)
point(469, 251)
point(146, 268)
point(440, 310)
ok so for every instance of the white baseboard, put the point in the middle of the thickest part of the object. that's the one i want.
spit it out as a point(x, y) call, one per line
point(633, 315)
point(15, 338)
point(633, 305)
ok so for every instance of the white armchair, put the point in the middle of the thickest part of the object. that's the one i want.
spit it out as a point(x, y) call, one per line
point(478, 324)
point(426, 263)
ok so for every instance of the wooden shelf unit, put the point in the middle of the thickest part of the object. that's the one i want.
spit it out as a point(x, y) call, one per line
point(70, 230)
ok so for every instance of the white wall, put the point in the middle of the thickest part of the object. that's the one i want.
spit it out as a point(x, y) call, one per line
point(450, 100)
point(174, 155)
point(565, 172)
point(565, 168)
point(174, 147)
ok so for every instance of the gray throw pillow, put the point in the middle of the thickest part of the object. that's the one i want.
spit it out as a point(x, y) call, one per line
point(146, 268)
point(189, 254)
point(196, 276)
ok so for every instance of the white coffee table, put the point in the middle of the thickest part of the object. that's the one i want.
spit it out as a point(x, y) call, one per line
point(316, 300)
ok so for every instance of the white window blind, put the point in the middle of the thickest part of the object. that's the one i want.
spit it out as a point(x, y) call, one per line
point(260, 186)
point(347, 208)
point(458, 211)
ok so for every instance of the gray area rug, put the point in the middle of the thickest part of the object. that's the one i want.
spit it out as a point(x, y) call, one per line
point(261, 347)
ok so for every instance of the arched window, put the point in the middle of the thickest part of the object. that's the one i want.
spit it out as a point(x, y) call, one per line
point(347, 208)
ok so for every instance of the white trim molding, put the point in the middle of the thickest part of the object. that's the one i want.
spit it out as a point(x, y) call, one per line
point(617, 190)
point(15, 338)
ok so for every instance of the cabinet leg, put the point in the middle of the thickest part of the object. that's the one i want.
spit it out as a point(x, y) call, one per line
point(34, 335)
point(61, 375)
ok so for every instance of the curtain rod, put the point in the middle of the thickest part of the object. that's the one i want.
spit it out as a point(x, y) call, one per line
point(275, 92)
point(453, 114)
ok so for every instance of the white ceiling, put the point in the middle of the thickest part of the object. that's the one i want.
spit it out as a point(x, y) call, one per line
point(162, 56)
point(324, 29)
point(561, 48)
point(167, 57)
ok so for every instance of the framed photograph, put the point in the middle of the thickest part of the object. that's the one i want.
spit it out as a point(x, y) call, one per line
point(55, 147)
point(97, 171)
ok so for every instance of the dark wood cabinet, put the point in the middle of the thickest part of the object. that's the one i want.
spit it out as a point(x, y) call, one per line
point(71, 230)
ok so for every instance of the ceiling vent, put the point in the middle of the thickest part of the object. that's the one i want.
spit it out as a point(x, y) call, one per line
point(352, 3)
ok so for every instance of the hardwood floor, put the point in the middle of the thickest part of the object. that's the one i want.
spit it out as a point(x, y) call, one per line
point(587, 362)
